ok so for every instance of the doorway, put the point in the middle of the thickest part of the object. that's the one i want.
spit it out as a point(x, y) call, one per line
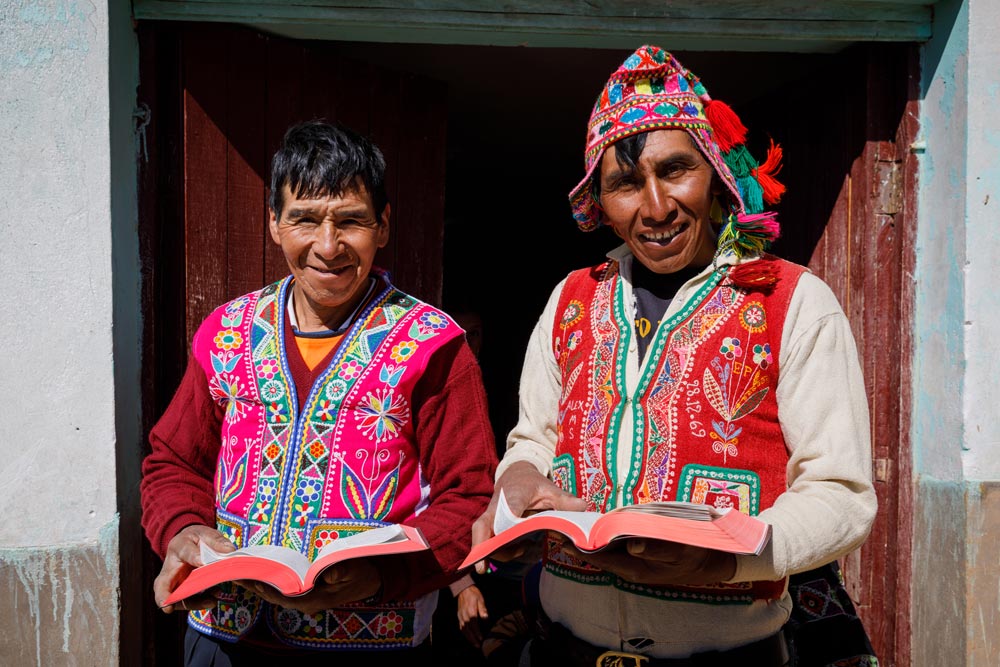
point(484, 143)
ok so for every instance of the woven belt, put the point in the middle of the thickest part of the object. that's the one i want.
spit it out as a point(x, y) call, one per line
point(558, 646)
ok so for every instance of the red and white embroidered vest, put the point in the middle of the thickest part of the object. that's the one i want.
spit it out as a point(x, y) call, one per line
point(344, 464)
point(704, 418)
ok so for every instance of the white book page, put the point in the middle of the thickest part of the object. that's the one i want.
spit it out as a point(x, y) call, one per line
point(504, 517)
point(284, 555)
point(381, 535)
point(675, 508)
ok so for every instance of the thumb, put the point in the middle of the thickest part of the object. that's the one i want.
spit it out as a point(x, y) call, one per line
point(567, 501)
point(333, 574)
point(221, 543)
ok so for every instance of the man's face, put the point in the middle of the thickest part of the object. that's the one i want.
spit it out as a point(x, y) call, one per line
point(662, 208)
point(329, 243)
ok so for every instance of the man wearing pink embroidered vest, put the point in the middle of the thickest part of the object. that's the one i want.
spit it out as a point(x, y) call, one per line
point(323, 405)
point(693, 366)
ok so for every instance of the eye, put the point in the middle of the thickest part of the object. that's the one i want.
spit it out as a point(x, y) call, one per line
point(623, 182)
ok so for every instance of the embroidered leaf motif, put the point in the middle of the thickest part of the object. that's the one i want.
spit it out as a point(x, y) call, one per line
point(714, 394)
point(419, 333)
point(751, 404)
point(382, 498)
point(352, 492)
point(225, 362)
point(390, 374)
point(234, 321)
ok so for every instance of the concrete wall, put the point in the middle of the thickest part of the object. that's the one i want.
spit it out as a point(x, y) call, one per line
point(59, 538)
point(956, 435)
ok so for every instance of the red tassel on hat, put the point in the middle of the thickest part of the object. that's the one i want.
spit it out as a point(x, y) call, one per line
point(758, 276)
point(727, 127)
point(772, 188)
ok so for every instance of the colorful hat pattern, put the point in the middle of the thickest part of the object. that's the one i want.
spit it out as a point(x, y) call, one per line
point(651, 90)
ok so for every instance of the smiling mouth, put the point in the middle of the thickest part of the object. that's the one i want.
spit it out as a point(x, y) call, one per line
point(334, 271)
point(664, 237)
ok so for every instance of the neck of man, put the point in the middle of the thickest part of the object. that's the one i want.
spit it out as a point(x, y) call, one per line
point(663, 285)
point(311, 317)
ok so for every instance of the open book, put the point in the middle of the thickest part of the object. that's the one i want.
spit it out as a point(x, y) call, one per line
point(671, 521)
point(290, 571)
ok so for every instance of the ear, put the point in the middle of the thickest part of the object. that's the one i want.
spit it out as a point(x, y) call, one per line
point(717, 188)
point(272, 226)
point(383, 227)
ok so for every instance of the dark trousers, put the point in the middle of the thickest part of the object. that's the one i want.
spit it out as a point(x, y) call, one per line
point(555, 645)
point(204, 651)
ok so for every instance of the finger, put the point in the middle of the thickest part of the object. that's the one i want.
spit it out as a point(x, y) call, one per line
point(334, 575)
point(219, 542)
point(658, 550)
point(568, 502)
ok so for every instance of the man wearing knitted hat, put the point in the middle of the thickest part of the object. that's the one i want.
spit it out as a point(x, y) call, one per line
point(691, 365)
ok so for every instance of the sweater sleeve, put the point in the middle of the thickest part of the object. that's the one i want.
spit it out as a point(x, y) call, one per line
point(533, 439)
point(177, 475)
point(457, 460)
point(830, 503)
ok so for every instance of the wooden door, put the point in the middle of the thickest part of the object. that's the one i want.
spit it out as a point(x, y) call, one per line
point(215, 101)
point(851, 218)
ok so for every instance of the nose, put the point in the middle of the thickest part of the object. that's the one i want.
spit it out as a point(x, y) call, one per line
point(657, 205)
point(327, 241)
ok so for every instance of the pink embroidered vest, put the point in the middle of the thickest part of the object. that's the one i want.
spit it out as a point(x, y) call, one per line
point(704, 419)
point(346, 463)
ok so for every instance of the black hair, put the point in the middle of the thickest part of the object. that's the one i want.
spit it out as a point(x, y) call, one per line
point(627, 152)
point(317, 158)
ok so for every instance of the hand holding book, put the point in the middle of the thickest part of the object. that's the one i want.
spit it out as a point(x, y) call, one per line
point(281, 574)
point(674, 535)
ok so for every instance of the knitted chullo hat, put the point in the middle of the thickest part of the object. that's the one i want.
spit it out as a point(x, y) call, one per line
point(653, 91)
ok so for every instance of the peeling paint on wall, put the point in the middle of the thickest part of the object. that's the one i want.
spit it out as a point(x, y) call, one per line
point(71, 21)
point(61, 603)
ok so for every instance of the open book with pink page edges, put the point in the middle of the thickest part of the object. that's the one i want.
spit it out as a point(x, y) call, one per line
point(671, 521)
point(290, 571)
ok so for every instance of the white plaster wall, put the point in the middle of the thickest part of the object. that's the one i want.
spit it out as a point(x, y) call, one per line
point(981, 458)
point(57, 421)
point(939, 361)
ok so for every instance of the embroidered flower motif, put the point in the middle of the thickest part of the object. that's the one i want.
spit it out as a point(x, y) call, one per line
point(302, 511)
point(762, 355)
point(313, 628)
point(267, 368)
point(323, 538)
point(272, 391)
point(317, 449)
point(226, 390)
point(433, 320)
point(390, 624)
point(574, 340)
point(731, 348)
point(272, 451)
point(289, 620)
point(261, 512)
point(325, 411)
point(277, 413)
point(237, 305)
point(267, 488)
point(381, 414)
point(228, 339)
point(403, 350)
point(351, 369)
point(308, 491)
point(336, 389)
point(243, 618)
point(723, 502)
point(572, 314)
point(753, 318)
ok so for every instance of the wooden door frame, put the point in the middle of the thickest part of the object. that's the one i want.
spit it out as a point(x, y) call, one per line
point(886, 172)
